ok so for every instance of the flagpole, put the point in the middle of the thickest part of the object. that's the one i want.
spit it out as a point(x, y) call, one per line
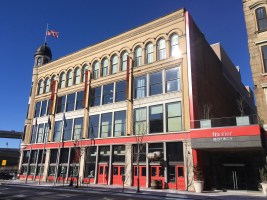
point(46, 32)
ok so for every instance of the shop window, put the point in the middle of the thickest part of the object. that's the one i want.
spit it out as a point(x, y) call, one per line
point(124, 61)
point(57, 131)
point(156, 119)
point(171, 174)
point(140, 121)
point(107, 94)
point(104, 152)
point(26, 156)
point(119, 153)
point(95, 70)
point(180, 172)
point(41, 155)
point(67, 130)
point(60, 104)
point(95, 96)
point(64, 155)
point(33, 158)
point(174, 117)
point(138, 57)
point(264, 56)
point(149, 53)
point(173, 79)
point(161, 49)
point(120, 94)
point(114, 64)
point(175, 152)
point(142, 152)
point(53, 156)
point(104, 70)
point(261, 18)
point(106, 124)
point(119, 123)
point(140, 87)
point(93, 126)
point(52, 170)
point(155, 86)
point(78, 128)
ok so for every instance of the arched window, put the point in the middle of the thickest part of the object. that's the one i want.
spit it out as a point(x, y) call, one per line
point(84, 69)
point(69, 78)
point(174, 45)
point(161, 49)
point(62, 80)
point(47, 85)
point(104, 71)
point(149, 53)
point(41, 87)
point(138, 56)
point(114, 64)
point(124, 61)
point(95, 70)
point(77, 73)
point(261, 18)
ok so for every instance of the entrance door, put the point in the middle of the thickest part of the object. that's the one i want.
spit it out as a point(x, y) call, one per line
point(180, 179)
point(117, 173)
point(142, 176)
point(103, 174)
point(235, 176)
point(157, 173)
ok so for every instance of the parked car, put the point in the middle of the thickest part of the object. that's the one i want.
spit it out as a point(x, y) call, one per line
point(5, 176)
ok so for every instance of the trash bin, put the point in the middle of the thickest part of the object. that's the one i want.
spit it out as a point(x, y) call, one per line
point(154, 184)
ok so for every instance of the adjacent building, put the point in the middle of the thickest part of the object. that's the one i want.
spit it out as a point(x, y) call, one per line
point(143, 106)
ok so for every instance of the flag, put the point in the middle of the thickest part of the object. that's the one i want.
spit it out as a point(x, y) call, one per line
point(49, 122)
point(64, 120)
point(52, 33)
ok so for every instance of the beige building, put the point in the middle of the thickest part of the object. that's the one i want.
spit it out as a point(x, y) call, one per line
point(256, 23)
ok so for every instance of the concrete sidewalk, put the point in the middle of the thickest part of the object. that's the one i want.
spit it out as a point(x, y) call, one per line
point(147, 192)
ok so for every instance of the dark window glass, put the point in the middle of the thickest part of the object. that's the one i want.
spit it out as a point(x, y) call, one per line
point(173, 80)
point(57, 131)
point(104, 152)
point(79, 100)
point(43, 108)
point(70, 102)
point(153, 171)
point(41, 155)
point(78, 128)
point(156, 147)
point(37, 109)
point(95, 96)
point(143, 171)
point(60, 104)
point(93, 126)
point(175, 151)
point(120, 91)
point(119, 123)
point(53, 156)
point(46, 133)
point(67, 130)
point(90, 162)
point(156, 119)
point(34, 133)
point(64, 155)
point(26, 156)
point(119, 153)
point(142, 152)
point(91, 154)
point(52, 170)
point(106, 122)
point(140, 87)
point(155, 83)
point(107, 94)
point(261, 18)
point(264, 56)
point(180, 172)
point(171, 174)
point(33, 156)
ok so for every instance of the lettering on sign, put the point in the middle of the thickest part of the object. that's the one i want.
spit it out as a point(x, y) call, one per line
point(222, 136)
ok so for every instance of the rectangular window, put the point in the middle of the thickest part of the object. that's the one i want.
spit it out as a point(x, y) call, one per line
point(140, 87)
point(53, 156)
point(106, 122)
point(79, 100)
point(46, 133)
point(155, 86)
point(156, 119)
point(67, 130)
point(95, 96)
point(104, 152)
point(40, 133)
point(107, 94)
point(119, 123)
point(37, 109)
point(261, 18)
point(175, 152)
point(119, 153)
point(174, 117)
point(93, 126)
point(173, 79)
point(57, 131)
point(90, 162)
point(33, 158)
point(70, 102)
point(26, 156)
point(34, 133)
point(120, 91)
point(43, 108)
point(78, 128)
point(64, 155)
point(171, 174)
point(140, 121)
point(142, 152)
point(60, 104)
point(264, 56)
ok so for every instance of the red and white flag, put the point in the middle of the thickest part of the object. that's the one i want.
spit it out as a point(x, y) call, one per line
point(52, 33)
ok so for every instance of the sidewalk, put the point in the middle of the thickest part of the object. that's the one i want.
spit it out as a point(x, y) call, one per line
point(147, 192)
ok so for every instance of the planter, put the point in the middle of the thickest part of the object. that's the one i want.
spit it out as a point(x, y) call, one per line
point(198, 186)
point(242, 121)
point(264, 188)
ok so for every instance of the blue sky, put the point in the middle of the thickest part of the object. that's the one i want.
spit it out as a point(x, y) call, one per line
point(82, 23)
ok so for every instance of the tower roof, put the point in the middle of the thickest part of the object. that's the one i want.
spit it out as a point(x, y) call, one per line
point(44, 51)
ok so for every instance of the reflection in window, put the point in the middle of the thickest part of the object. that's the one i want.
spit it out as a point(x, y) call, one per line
point(140, 126)
point(60, 104)
point(119, 123)
point(173, 79)
point(120, 91)
point(57, 131)
point(43, 108)
point(78, 128)
point(140, 87)
point(107, 94)
point(70, 102)
point(174, 46)
point(155, 83)
point(93, 126)
point(106, 122)
point(95, 96)
point(174, 117)
point(67, 130)
point(37, 109)
point(79, 100)
point(156, 119)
